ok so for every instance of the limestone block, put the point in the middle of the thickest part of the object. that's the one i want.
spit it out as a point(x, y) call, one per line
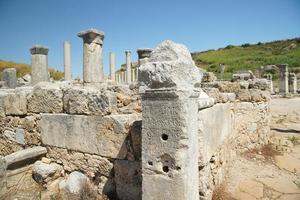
point(42, 172)
point(46, 98)
point(14, 102)
point(74, 183)
point(20, 136)
point(215, 124)
point(128, 180)
point(136, 139)
point(99, 135)
point(9, 76)
point(22, 155)
point(89, 101)
point(170, 65)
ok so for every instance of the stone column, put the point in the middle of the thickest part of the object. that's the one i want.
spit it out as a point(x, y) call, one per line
point(112, 66)
point(67, 61)
point(92, 55)
point(39, 64)
point(283, 79)
point(293, 83)
point(9, 77)
point(128, 67)
point(142, 53)
point(170, 128)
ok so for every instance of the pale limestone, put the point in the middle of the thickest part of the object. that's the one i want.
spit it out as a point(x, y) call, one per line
point(99, 135)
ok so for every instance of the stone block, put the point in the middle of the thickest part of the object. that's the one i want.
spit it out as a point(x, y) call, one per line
point(89, 101)
point(14, 102)
point(215, 124)
point(99, 135)
point(9, 76)
point(128, 178)
point(46, 98)
point(23, 155)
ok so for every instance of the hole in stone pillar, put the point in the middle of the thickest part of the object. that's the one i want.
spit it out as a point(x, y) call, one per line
point(166, 169)
point(178, 168)
point(164, 136)
point(150, 163)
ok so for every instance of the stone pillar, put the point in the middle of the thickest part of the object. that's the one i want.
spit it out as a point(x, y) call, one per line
point(9, 77)
point(67, 61)
point(170, 125)
point(112, 66)
point(39, 64)
point(293, 83)
point(142, 53)
point(283, 79)
point(128, 67)
point(92, 55)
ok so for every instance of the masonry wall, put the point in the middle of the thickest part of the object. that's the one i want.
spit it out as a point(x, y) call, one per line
point(97, 130)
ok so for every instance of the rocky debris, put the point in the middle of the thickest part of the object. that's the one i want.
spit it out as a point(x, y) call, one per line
point(243, 75)
point(24, 80)
point(290, 47)
point(46, 98)
point(2, 174)
point(253, 95)
point(9, 78)
point(74, 182)
point(43, 172)
point(170, 65)
point(29, 153)
point(209, 77)
point(261, 84)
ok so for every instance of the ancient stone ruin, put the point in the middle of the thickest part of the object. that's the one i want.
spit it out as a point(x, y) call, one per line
point(168, 135)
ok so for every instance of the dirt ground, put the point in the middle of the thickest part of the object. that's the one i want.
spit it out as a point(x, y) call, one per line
point(272, 172)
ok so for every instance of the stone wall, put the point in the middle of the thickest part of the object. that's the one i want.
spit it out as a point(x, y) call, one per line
point(97, 130)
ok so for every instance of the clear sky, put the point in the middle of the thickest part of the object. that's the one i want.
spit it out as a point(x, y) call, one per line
point(132, 24)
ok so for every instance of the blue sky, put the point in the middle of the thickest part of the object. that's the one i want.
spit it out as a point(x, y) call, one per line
point(132, 24)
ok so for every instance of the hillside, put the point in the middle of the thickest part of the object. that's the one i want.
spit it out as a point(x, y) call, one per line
point(251, 57)
point(23, 69)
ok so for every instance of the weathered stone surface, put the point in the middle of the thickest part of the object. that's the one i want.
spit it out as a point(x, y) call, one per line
point(2, 174)
point(20, 136)
point(128, 180)
point(136, 139)
point(9, 76)
point(89, 101)
point(288, 162)
point(106, 186)
point(170, 65)
point(210, 135)
point(46, 98)
point(209, 77)
point(14, 102)
point(92, 55)
point(25, 154)
point(261, 84)
point(280, 184)
point(43, 172)
point(74, 183)
point(91, 134)
point(39, 64)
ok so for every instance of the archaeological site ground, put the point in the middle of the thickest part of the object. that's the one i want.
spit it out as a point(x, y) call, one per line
point(154, 107)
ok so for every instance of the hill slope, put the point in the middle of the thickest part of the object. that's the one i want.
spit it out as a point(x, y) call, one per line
point(23, 69)
point(250, 57)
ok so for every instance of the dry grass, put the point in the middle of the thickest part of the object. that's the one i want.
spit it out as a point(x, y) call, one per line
point(267, 151)
point(220, 193)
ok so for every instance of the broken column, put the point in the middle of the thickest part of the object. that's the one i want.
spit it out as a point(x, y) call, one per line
point(112, 66)
point(169, 129)
point(9, 78)
point(293, 83)
point(142, 53)
point(39, 64)
point(67, 61)
point(128, 67)
point(283, 79)
point(92, 55)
